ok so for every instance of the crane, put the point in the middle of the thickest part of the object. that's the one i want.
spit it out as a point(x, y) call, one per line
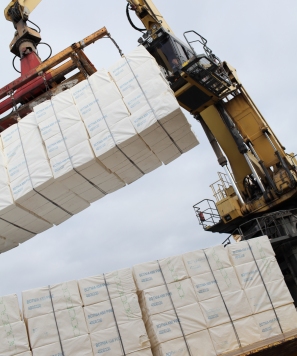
point(256, 194)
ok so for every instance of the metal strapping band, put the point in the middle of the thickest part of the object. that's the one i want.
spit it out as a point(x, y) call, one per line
point(70, 159)
point(153, 111)
point(51, 297)
point(173, 306)
point(115, 319)
point(264, 284)
point(19, 227)
point(27, 166)
point(134, 164)
point(233, 326)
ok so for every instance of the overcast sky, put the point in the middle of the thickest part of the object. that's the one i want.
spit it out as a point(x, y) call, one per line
point(153, 217)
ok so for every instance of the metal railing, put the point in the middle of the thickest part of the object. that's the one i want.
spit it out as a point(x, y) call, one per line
point(220, 186)
point(208, 214)
point(280, 224)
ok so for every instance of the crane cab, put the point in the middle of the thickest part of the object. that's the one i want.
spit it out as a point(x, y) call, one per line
point(197, 80)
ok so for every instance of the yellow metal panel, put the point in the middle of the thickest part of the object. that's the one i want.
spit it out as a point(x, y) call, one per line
point(250, 125)
point(238, 164)
point(29, 4)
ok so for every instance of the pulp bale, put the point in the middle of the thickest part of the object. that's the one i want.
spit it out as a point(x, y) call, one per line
point(14, 339)
point(93, 289)
point(165, 326)
point(43, 329)
point(250, 274)
point(78, 346)
point(197, 263)
point(215, 309)
point(100, 316)
point(240, 252)
point(9, 310)
point(37, 301)
point(133, 336)
point(157, 300)
point(199, 343)
point(259, 300)
point(211, 284)
point(148, 275)
point(224, 336)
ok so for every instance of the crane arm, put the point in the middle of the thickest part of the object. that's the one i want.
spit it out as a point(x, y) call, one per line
point(149, 14)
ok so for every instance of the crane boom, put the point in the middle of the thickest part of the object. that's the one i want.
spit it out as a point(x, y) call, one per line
point(260, 176)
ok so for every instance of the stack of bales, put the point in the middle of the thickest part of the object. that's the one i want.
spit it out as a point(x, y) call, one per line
point(224, 304)
point(55, 321)
point(16, 223)
point(113, 314)
point(155, 113)
point(171, 311)
point(206, 303)
point(264, 286)
point(13, 333)
point(67, 142)
point(31, 179)
point(112, 135)
point(105, 132)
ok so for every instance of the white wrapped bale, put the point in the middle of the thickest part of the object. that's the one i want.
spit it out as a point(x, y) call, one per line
point(9, 135)
point(93, 289)
point(28, 353)
point(43, 111)
point(259, 300)
point(211, 284)
point(43, 329)
point(269, 323)
point(71, 323)
point(14, 339)
point(133, 60)
point(37, 301)
point(133, 335)
point(100, 316)
point(148, 275)
point(196, 263)
point(99, 85)
point(9, 310)
point(225, 339)
point(157, 300)
point(240, 252)
point(199, 344)
point(106, 150)
point(215, 309)
point(165, 326)
point(250, 274)
point(78, 346)
point(64, 120)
